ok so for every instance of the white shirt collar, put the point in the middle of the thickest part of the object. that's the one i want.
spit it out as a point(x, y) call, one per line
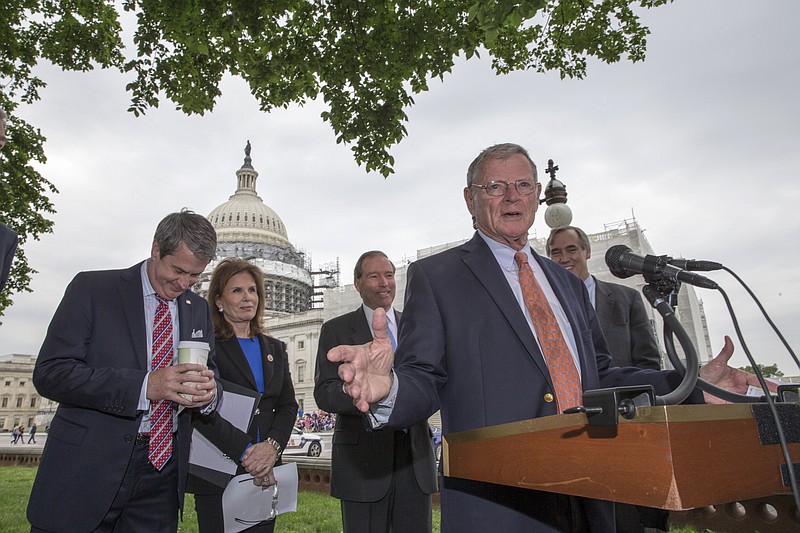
point(390, 316)
point(504, 254)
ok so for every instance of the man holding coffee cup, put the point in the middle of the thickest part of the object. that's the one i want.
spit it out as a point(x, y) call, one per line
point(192, 352)
point(118, 453)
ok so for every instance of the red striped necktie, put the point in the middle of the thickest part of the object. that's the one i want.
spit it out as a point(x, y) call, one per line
point(566, 381)
point(160, 449)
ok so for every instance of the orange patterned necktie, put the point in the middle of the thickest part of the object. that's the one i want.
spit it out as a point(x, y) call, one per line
point(566, 382)
point(160, 448)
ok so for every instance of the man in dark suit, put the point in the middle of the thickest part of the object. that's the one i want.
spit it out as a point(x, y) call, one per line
point(384, 479)
point(8, 239)
point(8, 246)
point(619, 309)
point(467, 346)
point(96, 361)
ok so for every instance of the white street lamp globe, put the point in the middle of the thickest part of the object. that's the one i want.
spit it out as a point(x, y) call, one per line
point(558, 216)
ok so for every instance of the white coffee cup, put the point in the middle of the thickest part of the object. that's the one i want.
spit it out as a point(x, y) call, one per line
point(192, 352)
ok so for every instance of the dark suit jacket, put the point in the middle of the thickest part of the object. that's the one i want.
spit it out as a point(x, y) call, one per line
point(362, 461)
point(626, 326)
point(8, 245)
point(93, 362)
point(274, 416)
point(466, 348)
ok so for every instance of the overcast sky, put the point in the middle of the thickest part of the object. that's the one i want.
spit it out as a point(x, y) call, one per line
point(701, 142)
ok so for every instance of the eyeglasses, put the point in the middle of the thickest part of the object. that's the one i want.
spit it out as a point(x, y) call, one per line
point(499, 188)
point(273, 511)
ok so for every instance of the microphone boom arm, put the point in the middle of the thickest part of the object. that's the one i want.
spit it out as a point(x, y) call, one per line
point(692, 372)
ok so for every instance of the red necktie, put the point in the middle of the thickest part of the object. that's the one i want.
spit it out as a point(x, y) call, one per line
point(566, 382)
point(160, 449)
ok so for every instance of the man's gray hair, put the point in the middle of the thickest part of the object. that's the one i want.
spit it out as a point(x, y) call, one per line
point(189, 228)
point(498, 151)
point(582, 237)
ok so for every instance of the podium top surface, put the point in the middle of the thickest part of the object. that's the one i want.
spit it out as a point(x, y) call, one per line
point(658, 414)
point(672, 457)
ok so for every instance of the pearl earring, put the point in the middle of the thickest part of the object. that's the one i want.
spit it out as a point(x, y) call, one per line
point(220, 309)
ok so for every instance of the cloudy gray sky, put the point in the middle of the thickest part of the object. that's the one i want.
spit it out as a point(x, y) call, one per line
point(701, 143)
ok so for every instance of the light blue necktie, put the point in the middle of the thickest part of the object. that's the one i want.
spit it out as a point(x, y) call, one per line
point(391, 337)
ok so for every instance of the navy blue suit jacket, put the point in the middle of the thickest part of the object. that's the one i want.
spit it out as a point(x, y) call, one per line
point(93, 362)
point(465, 347)
point(8, 245)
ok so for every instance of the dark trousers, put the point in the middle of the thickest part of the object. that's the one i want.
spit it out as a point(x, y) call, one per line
point(211, 520)
point(488, 507)
point(637, 519)
point(147, 499)
point(404, 508)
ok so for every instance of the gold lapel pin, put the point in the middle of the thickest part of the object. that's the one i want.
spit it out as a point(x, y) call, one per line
point(269, 357)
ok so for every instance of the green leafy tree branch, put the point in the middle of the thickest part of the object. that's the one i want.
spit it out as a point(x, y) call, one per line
point(367, 59)
point(768, 371)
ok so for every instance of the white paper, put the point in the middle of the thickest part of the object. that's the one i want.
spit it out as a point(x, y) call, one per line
point(753, 390)
point(236, 409)
point(244, 504)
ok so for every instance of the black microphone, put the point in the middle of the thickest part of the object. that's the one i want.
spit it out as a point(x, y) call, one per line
point(623, 263)
point(696, 265)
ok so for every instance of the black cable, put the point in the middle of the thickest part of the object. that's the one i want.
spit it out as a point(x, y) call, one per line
point(764, 312)
point(702, 384)
point(736, 398)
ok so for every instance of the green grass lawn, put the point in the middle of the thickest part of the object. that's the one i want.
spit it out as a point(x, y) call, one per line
point(316, 513)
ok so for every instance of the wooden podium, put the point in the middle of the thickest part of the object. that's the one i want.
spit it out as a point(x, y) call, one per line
point(671, 457)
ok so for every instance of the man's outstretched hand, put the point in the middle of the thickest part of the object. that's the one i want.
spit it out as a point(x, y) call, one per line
point(366, 369)
point(717, 372)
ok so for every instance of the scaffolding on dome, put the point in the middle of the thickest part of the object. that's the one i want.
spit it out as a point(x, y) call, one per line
point(326, 277)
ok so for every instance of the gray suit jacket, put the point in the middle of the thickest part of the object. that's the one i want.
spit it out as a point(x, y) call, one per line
point(362, 461)
point(93, 362)
point(626, 326)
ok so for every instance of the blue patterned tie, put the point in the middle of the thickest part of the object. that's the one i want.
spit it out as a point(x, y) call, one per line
point(391, 336)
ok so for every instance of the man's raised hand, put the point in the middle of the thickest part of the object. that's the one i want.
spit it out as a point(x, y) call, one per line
point(719, 373)
point(366, 369)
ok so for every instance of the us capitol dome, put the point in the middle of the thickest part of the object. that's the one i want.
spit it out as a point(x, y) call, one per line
point(248, 228)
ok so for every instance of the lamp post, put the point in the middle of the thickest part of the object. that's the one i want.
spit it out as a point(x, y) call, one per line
point(557, 214)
